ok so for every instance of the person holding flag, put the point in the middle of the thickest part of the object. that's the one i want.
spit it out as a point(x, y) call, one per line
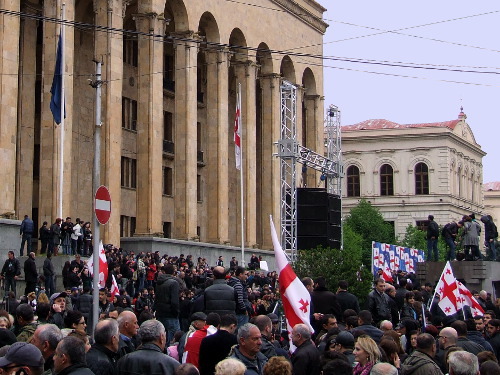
point(294, 295)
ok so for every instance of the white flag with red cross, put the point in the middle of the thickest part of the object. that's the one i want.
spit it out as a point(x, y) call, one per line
point(447, 290)
point(467, 299)
point(103, 266)
point(294, 295)
point(115, 291)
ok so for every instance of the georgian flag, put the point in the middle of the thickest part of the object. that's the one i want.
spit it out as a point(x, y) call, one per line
point(386, 274)
point(295, 297)
point(376, 263)
point(115, 291)
point(103, 266)
point(448, 291)
point(467, 299)
point(237, 129)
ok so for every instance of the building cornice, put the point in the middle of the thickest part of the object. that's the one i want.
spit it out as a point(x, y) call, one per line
point(303, 14)
point(377, 137)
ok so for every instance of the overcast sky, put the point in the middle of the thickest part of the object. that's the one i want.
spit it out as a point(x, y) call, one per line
point(464, 44)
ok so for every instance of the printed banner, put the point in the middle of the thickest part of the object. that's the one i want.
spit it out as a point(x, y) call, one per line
point(390, 258)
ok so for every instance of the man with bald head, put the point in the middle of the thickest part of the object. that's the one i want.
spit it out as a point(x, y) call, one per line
point(127, 324)
point(220, 297)
point(305, 359)
point(447, 338)
point(103, 355)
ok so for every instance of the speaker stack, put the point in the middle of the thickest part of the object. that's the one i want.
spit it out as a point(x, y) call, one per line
point(318, 219)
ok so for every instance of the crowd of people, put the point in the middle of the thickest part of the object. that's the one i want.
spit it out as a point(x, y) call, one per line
point(465, 235)
point(175, 315)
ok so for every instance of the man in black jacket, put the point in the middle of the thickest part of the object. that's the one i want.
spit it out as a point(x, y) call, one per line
point(102, 356)
point(127, 324)
point(167, 300)
point(378, 303)
point(10, 272)
point(220, 297)
point(69, 357)
point(214, 348)
point(238, 282)
point(324, 301)
point(432, 239)
point(149, 357)
point(305, 359)
point(26, 232)
point(345, 299)
point(30, 274)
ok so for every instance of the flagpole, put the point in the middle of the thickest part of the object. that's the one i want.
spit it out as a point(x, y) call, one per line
point(61, 153)
point(241, 186)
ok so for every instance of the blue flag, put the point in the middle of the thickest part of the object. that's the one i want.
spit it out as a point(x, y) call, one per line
point(57, 99)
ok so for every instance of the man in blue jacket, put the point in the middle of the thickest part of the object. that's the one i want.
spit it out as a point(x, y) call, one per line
point(26, 232)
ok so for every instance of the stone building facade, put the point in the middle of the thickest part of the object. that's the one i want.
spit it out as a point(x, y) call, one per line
point(411, 171)
point(491, 191)
point(168, 108)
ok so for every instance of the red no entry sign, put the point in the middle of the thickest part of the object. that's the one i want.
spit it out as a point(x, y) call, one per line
point(102, 205)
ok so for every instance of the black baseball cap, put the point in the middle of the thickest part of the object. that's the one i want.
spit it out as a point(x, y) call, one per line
point(23, 354)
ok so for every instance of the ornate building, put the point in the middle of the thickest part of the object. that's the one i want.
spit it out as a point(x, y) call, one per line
point(168, 109)
point(411, 171)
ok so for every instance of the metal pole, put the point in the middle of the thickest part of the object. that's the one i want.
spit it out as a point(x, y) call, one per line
point(242, 191)
point(97, 182)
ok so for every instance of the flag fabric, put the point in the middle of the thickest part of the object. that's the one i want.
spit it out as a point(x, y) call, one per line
point(103, 266)
point(294, 295)
point(467, 299)
point(397, 257)
point(57, 100)
point(237, 130)
point(386, 273)
point(115, 291)
point(447, 290)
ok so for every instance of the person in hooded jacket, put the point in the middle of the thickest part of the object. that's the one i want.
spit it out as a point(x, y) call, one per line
point(490, 236)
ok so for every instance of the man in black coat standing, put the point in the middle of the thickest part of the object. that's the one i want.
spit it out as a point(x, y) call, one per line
point(305, 359)
point(220, 297)
point(214, 348)
point(30, 274)
point(345, 299)
point(324, 301)
point(103, 355)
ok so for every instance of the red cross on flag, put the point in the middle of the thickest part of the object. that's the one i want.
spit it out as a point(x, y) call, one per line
point(467, 299)
point(448, 291)
point(103, 266)
point(294, 295)
point(386, 274)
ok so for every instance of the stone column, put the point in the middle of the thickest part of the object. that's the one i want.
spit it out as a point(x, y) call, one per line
point(185, 162)
point(9, 66)
point(314, 133)
point(217, 163)
point(110, 13)
point(26, 115)
point(149, 126)
point(246, 74)
point(50, 132)
point(271, 191)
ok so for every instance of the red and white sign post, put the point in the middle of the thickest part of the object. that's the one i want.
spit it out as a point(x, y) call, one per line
point(102, 205)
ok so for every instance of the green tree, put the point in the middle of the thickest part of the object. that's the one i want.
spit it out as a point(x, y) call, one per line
point(416, 238)
point(336, 265)
point(368, 222)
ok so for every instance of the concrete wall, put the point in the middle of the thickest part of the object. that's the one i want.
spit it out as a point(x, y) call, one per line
point(197, 249)
point(9, 237)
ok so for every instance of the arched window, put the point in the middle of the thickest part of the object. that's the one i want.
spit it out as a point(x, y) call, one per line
point(421, 179)
point(353, 185)
point(386, 180)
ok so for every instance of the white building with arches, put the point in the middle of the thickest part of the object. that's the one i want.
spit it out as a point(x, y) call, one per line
point(411, 171)
point(171, 69)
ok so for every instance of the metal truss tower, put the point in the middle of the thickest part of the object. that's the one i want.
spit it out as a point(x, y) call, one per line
point(290, 152)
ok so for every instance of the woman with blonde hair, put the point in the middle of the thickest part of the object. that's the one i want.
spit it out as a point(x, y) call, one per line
point(278, 366)
point(366, 353)
point(230, 366)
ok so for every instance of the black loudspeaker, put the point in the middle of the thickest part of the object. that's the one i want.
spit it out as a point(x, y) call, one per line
point(318, 219)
